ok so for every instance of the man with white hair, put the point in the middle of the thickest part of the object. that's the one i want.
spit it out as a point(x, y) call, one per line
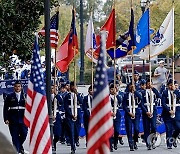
point(161, 74)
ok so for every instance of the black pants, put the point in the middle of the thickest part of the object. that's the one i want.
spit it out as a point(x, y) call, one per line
point(18, 133)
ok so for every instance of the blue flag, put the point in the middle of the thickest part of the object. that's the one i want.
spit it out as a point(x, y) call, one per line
point(142, 32)
point(126, 41)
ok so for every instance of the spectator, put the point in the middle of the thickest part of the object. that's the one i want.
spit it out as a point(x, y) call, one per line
point(161, 74)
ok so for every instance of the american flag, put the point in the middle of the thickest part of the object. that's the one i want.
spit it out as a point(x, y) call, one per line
point(36, 112)
point(101, 124)
point(53, 30)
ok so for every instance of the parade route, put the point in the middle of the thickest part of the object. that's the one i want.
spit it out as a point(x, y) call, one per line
point(122, 149)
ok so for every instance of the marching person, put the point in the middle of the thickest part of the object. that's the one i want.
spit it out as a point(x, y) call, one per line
point(171, 113)
point(136, 81)
point(72, 103)
point(14, 107)
point(149, 110)
point(57, 108)
point(116, 115)
point(131, 104)
point(86, 106)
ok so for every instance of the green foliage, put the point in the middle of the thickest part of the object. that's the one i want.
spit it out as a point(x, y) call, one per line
point(19, 20)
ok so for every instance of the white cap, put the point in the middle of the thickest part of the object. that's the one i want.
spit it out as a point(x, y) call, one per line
point(161, 61)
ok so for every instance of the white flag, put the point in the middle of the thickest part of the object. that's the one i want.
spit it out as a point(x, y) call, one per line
point(163, 38)
point(90, 45)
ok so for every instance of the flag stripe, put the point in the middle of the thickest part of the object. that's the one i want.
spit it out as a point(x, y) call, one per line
point(40, 134)
point(39, 109)
point(101, 139)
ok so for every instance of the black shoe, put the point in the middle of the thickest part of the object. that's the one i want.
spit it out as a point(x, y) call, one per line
point(175, 144)
point(148, 147)
point(135, 146)
point(77, 144)
point(111, 149)
point(169, 147)
point(73, 152)
point(131, 149)
point(121, 141)
point(115, 147)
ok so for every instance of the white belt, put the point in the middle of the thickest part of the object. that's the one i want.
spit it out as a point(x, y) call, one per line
point(147, 104)
point(172, 105)
point(78, 106)
point(16, 108)
point(136, 106)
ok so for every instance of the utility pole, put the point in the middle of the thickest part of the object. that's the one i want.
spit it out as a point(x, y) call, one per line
point(48, 62)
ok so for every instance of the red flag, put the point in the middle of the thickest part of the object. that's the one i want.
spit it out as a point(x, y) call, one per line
point(36, 111)
point(68, 49)
point(109, 27)
point(101, 123)
point(53, 30)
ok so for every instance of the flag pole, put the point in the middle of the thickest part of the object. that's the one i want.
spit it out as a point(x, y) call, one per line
point(92, 64)
point(150, 76)
point(55, 69)
point(132, 54)
point(114, 51)
point(173, 42)
point(114, 108)
point(74, 52)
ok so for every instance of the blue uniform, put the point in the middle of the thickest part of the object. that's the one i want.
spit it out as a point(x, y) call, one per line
point(73, 125)
point(86, 106)
point(116, 119)
point(14, 113)
point(58, 110)
point(171, 123)
point(129, 122)
point(149, 124)
point(137, 86)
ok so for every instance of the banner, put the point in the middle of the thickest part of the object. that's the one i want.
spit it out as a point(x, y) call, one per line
point(7, 86)
point(159, 123)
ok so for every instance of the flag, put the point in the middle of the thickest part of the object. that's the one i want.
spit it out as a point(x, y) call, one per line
point(90, 45)
point(54, 22)
point(68, 49)
point(101, 123)
point(163, 39)
point(109, 27)
point(125, 42)
point(36, 110)
point(142, 32)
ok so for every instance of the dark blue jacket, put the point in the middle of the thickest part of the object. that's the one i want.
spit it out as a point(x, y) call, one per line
point(85, 107)
point(138, 102)
point(119, 103)
point(143, 93)
point(165, 101)
point(14, 110)
point(67, 103)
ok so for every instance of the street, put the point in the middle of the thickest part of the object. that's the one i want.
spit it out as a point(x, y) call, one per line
point(64, 149)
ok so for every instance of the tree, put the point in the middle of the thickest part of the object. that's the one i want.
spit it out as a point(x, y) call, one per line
point(19, 20)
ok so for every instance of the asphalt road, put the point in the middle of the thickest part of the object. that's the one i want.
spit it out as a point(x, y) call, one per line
point(64, 149)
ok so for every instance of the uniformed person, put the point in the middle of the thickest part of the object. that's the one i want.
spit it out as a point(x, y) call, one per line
point(14, 107)
point(136, 81)
point(116, 115)
point(149, 110)
point(87, 106)
point(72, 103)
point(131, 104)
point(171, 113)
point(58, 109)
